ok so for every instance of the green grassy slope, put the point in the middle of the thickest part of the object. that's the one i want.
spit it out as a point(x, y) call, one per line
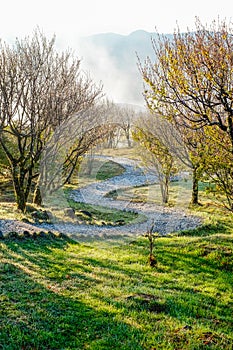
point(60, 294)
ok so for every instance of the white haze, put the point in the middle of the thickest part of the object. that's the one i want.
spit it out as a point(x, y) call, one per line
point(117, 84)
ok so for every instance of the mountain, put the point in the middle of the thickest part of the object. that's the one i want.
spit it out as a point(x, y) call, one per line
point(112, 59)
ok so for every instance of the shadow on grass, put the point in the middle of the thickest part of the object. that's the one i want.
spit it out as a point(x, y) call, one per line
point(205, 230)
point(45, 284)
point(40, 313)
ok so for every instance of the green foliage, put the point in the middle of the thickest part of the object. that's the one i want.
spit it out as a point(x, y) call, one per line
point(109, 169)
point(158, 156)
point(190, 84)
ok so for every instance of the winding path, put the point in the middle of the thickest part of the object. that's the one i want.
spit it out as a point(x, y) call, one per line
point(166, 220)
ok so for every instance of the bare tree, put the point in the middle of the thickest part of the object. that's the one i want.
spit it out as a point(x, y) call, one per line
point(69, 143)
point(126, 117)
point(39, 90)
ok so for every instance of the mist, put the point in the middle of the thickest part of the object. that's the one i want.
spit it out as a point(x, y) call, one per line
point(112, 59)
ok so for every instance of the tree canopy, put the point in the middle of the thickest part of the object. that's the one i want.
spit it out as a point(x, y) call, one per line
point(190, 82)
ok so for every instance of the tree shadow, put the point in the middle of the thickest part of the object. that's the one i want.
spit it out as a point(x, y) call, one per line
point(34, 316)
point(44, 311)
point(205, 230)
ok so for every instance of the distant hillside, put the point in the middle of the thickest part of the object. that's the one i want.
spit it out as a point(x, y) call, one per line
point(112, 59)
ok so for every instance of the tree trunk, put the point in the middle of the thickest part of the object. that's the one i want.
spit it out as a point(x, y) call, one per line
point(195, 186)
point(37, 198)
point(164, 186)
point(22, 186)
point(128, 139)
point(20, 196)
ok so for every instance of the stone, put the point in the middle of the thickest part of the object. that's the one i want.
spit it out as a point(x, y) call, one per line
point(26, 234)
point(40, 215)
point(12, 234)
point(87, 213)
point(69, 212)
point(25, 220)
point(42, 234)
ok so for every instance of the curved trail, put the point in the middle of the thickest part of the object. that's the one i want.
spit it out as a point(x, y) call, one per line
point(166, 220)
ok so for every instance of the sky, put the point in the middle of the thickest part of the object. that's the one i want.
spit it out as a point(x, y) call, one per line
point(71, 19)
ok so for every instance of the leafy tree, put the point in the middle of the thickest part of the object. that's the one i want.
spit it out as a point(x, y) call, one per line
point(217, 163)
point(157, 156)
point(191, 82)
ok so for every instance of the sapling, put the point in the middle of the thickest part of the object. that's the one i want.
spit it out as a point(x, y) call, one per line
point(151, 236)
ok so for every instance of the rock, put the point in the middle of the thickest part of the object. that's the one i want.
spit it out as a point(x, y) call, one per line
point(61, 235)
point(40, 215)
point(25, 220)
point(12, 234)
point(34, 235)
point(69, 212)
point(50, 234)
point(42, 234)
point(26, 234)
point(85, 212)
point(120, 222)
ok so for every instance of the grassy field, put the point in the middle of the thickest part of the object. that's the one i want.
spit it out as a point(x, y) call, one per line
point(131, 153)
point(95, 169)
point(99, 294)
point(102, 294)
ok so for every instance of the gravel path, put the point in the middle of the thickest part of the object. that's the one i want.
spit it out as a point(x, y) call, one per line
point(166, 220)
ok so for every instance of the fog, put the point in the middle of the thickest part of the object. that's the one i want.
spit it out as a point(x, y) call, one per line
point(116, 67)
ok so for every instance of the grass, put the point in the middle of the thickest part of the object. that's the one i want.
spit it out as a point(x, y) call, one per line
point(131, 153)
point(98, 294)
point(102, 294)
point(98, 215)
point(94, 169)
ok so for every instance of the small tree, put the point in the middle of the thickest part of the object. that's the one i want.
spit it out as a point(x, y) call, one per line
point(156, 155)
point(126, 117)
